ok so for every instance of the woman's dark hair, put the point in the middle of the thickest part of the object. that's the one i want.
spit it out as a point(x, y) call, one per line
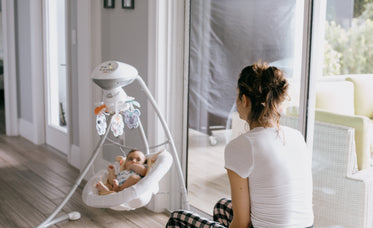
point(266, 87)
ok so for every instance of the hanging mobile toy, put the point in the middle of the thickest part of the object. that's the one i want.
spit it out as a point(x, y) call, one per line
point(101, 124)
point(131, 117)
point(117, 125)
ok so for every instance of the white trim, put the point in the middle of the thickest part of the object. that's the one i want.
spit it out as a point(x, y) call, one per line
point(55, 136)
point(37, 74)
point(26, 130)
point(165, 69)
point(10, 76)
point(304, 83)
point(312, 60)
point(316, 66)
point(88, 33)
point(69, 99)
point(156, 74)
point(157, 60)
point(175, 89)
point(74, 158)
point(186, 85)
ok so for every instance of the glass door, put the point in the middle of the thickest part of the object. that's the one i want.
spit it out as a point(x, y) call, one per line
point(226, 36)
point(343, 139)
point(56, 72)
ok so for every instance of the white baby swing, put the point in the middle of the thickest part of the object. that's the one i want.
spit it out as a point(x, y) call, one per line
point(111, 76)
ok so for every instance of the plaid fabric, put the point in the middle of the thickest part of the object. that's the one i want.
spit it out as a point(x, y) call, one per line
point(223, 212)
point(223, 215)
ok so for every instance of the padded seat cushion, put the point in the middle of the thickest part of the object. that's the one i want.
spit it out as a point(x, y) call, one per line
point(363, 94)
point(335, 96)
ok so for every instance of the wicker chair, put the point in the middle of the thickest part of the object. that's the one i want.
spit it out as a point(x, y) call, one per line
point(342, 195)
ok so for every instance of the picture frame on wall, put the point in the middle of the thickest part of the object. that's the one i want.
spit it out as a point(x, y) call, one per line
point(109, 4)
point(128, 4)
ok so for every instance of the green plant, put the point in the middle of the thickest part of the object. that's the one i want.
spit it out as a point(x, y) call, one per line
point(350, 51)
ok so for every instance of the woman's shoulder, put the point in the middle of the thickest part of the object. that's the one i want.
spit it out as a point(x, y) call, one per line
point(290, 131)
point(238, 156)
point(239, 139)
point(240, 143)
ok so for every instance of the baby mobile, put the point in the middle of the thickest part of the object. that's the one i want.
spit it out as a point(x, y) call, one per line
point(127, 109)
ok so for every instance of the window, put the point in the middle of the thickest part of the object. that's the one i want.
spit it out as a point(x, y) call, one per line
point(344, 112)
point(225, 37)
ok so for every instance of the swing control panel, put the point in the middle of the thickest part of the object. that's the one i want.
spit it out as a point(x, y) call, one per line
point(108, 67)
point(113, 74)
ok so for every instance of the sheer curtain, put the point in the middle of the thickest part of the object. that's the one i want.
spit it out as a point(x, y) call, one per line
point(226, 36)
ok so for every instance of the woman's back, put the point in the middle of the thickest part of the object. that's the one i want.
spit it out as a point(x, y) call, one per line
point(277, 164)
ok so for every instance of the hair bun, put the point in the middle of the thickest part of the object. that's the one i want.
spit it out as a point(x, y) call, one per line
point(266, 87)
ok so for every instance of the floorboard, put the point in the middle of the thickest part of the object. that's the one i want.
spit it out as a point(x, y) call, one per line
point(35, 179)
point(207, 177)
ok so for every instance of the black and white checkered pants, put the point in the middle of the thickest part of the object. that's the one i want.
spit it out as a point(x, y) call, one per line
point(222, 215)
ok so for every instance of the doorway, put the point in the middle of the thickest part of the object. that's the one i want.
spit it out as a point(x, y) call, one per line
point(224, 38)
point(56, 74)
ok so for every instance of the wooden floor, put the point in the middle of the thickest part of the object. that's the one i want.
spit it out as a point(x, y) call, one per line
point(207, 177)
point(2, 112)
point(35, 179)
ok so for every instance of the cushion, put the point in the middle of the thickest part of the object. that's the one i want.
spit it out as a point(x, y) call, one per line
point(361, 126)
point(363, 85)
point(335, 96)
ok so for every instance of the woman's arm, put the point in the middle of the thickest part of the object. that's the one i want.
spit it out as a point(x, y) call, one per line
point(240, 200)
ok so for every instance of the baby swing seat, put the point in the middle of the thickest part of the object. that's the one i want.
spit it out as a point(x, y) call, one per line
point(133, 197)
point(111, 77)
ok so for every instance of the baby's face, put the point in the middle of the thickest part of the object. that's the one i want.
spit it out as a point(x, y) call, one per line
point(135, 157)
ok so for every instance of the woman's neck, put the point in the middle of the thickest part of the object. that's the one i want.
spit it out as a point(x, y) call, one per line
point(254, 124)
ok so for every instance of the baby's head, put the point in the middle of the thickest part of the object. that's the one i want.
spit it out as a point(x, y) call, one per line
point(134, 157)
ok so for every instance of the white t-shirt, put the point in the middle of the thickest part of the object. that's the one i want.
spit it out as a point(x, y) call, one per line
point(277, 164)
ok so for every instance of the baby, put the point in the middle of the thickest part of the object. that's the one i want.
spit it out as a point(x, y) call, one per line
point(130, 173)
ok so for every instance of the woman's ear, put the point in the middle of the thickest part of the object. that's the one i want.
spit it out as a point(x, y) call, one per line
point(245, 100)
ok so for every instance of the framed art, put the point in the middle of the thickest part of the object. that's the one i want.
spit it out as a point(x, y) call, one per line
point(109, 4)
point(128, 4)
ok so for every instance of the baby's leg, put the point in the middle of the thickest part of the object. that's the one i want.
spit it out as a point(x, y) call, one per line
point(111, 174)
point(132, 180)
point(116, 185)
point(102, 189)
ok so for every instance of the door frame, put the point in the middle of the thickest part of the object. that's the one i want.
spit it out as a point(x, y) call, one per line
point(308, 68)
point(57, 138)
point(14, 126)
point(10, 76)
point(168, 73)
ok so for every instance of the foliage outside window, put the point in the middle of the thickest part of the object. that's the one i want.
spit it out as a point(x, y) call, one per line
point(350, 51)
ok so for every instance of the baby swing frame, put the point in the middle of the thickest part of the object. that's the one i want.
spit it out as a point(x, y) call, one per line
point(51, 220)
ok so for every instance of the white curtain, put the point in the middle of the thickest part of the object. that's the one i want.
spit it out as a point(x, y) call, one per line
point(226, 36)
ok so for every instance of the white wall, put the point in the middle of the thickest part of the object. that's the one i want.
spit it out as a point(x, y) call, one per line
point(1, 37)
point(23, 56)
point(101, 34)
point(125, 38)
point(74, 75)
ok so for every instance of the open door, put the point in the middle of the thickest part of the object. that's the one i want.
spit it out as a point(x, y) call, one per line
point(56, 73)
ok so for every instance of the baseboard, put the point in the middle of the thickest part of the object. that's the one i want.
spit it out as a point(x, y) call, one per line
point(26, 130)
point(74, 158)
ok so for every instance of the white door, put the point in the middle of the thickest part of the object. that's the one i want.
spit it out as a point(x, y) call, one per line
point(56, 73)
